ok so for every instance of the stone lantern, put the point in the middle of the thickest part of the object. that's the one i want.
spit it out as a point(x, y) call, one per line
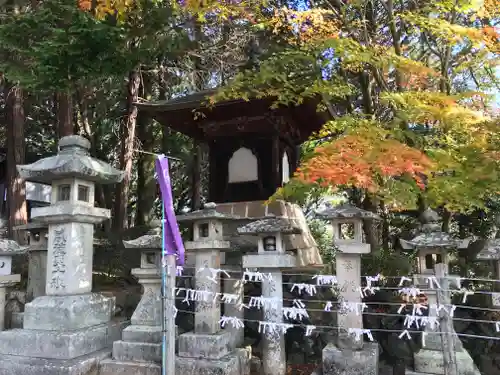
point(491, 253)
point(271, 259)
point(141, 341)
point(434, 246)
point(8, 249)
point(208, 346)
point(70, 328)
point(351, 355)
point(37, 262)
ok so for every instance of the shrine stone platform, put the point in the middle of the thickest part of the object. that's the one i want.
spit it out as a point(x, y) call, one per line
point(20, 365)
point(44, 352)
point(303, 244)
point(236, 363)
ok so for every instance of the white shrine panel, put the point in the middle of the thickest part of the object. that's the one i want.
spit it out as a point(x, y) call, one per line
point(5, 265)
point(285, 169)
point(243, 166)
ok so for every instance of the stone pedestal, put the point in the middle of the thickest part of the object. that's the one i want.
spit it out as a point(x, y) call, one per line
point(5, 282)
point(37, 272)
point(273, 342)
point(348, 271)
point(69, 330)
point(8, 249)
point(271, 259)
point(37, 267)
point(37, 261)
point(207, 313)
point(350, 355)
point(141, 342)
point(432, 247)
point(432, 340)
point(208, 349)
point(430, 359)
point(208, 343)
point(491, 253)
point(234, 285)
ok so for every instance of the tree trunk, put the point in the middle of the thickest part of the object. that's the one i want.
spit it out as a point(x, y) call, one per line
point(82, 116)
point(146, 183)
point(198, 84)
point(64, 114)
point(369, 226)
point(120, 220)
point(16, 191)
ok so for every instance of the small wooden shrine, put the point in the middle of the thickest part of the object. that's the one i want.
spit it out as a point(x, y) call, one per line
point(253, 149)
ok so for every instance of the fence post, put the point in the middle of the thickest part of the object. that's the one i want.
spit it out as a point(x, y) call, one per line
point(446, 322)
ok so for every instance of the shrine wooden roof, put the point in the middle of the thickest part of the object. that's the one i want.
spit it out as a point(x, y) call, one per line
point(191, 115)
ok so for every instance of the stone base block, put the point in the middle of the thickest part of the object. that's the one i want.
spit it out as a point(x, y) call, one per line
point(237, 363)
point(411, 372)
point(57, 344)
point(431, 362)
point(112, 367)
point(67, 313)
point(137, 351)
point(19, 365)
point(228, 365)
point(433, 341)
point(245, 357)
point(197, 345)
point(351, 362)
point(269, 261)
point(151, 334)
point(16, 320)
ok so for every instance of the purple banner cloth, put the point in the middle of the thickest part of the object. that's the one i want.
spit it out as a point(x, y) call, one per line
point(171, 234)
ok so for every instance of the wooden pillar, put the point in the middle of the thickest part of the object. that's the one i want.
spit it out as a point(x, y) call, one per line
point(275, 160)
point(212, 173)
point(496, 274)
point(196, 177)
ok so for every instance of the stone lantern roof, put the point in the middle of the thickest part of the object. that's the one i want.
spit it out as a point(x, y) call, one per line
point(490, 251)
point(269, 226)
point(431, 235)
point(32, 227)
point(10, 248)
point(435, 240)
point(209, 212)
point(151, 240)
point(346, 211)
point(72, 160)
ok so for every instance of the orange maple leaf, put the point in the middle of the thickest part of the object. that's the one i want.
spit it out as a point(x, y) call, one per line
point(356, 161)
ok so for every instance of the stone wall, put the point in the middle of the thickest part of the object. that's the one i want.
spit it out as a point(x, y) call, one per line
point(308, 255)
